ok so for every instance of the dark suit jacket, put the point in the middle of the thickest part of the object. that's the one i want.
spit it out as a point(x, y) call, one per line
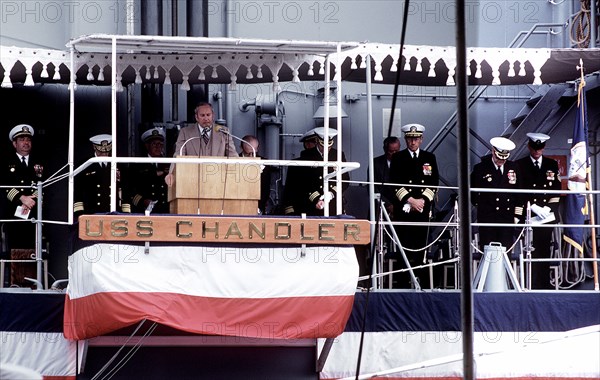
point(147, 181)
point(92, 191)
point(408, 171)
point(381, 173)
point(496, 206)
point(20, 179)
point(545, 177)
point(304, 185)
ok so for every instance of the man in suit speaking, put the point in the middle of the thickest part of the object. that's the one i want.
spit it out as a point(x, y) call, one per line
point(203, 139)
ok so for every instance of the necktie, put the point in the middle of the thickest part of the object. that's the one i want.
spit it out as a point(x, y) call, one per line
point(205, 135)
point(23, 161)
point(414, 155)
point(536, 164)
point(499, 169)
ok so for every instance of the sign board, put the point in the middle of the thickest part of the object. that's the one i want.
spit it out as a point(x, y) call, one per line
point(220, 229)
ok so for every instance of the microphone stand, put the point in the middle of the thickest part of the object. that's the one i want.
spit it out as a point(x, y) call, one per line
point(185, 143)
point(219, 128)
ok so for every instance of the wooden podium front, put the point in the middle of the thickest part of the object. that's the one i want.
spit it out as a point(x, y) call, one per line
point(215, 189)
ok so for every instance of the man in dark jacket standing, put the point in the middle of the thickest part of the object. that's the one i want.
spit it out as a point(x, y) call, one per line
point(540, 173)
point(497, 172)
point(93, 184)
point(22, 171)
point(304, 193)
point(416, 173)
point(148, 179)
point(381, 170)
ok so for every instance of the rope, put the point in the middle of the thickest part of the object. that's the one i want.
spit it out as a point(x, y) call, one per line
point(95, 377)
point(432, 264)
point(350, 181)
point(565, 269)
point(428, 245)
point(508, 251)
point(579, 32)
point(130, 354)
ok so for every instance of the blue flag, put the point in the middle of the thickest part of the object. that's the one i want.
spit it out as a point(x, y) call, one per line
point(578, 168)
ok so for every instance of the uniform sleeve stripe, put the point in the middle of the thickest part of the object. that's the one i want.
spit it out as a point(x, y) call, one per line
point(289, 210)
point(313, 196)
point(554, 200)
point(429, 194)
point(519, 210)
point(78, 206)
point(125, 207)
point(137, 199)
point(401, 193)
point(11, 194)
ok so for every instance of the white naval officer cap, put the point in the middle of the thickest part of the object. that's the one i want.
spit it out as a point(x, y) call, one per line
point(413, 130)
point(320, 132)
point(154, 133)
point(308, 135)
point(502, 147)
point(21, 130)
point(537, 140)
point(102, 143)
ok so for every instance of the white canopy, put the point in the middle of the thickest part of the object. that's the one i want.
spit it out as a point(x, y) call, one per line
point(191, 60)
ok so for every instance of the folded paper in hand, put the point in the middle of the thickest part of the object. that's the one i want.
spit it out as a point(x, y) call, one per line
point(540, 220)
point(21, 213)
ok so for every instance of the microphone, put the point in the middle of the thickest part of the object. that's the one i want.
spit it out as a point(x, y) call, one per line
point(222, 129)
point(185, 142)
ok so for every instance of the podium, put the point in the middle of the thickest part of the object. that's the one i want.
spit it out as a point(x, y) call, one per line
point(215, 189)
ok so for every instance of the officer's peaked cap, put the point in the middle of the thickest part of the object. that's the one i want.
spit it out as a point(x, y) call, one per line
point(102, 143)
point(502, 147)
point(320, 132)
point(413, 130)
point(154, 133)
point(537, 140)
point(21, 130)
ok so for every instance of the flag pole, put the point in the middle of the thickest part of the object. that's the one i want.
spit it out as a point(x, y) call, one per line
point(590, 195)
point(593, 223)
